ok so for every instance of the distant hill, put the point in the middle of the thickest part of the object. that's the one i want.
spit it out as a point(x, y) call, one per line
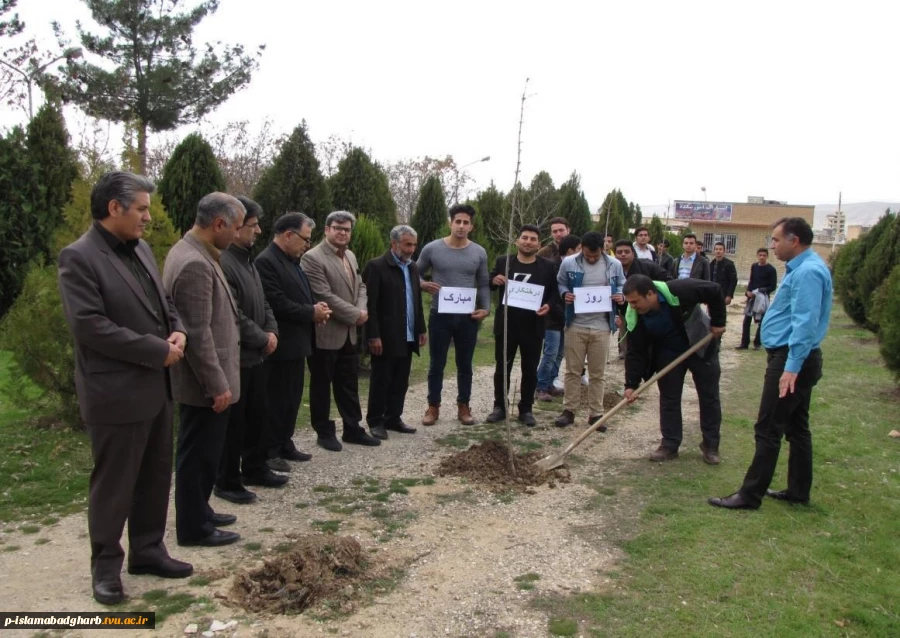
point(858, 214)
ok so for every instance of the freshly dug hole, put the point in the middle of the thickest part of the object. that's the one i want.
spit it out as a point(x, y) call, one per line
point(488, 462)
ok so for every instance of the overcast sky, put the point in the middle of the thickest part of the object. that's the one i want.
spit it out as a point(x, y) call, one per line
point(793, 101)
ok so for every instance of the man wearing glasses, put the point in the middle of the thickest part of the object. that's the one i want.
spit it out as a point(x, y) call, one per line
point(335, 279)
point(296, 311)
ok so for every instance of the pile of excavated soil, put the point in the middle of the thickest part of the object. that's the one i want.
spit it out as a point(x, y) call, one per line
point(488, 462)
point(315, 568)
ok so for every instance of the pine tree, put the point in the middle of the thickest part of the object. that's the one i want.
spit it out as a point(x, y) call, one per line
point(574, 207)
point(361, 187)
point(657, 230)
point(293, 183)
point(191, 173)
point(612, 215)
point(541, 200)
point(48, 147)
point(367, 242)
point(492, 208)
point(430, 215)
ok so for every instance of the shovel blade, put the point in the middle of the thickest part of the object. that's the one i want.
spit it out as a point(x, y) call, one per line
point(550, 463)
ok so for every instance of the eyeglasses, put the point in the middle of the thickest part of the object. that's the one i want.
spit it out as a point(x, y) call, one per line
point(254, 225)
point(306, 240)
point(341, 229)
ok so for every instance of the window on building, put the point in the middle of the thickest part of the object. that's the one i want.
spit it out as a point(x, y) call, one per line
point(729, 239)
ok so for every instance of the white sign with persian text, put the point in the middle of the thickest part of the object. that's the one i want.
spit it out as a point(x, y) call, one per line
point(523, 295)
point(593, 299)
point(456, 301)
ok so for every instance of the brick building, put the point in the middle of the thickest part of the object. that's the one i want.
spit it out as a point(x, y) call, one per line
point(743, 227)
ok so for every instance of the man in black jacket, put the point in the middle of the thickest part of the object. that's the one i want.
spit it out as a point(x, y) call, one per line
point(395, 330)
point(663, 319)
point(723, 272)
point(631, 265)
point(296, 311)
point(525, 327)
point(246, 438)
point(763, 280)
point(692, 264)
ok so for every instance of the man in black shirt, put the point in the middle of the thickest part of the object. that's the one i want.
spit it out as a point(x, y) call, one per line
point(763, 280)
point(723, 272)
point(525, 328)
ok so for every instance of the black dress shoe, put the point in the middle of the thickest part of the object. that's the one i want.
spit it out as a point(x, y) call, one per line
point(593, 419)
point(400, 427)
point(279, 465)
point(216, 539)
point(240, 497)
point(329, 442)
point(295, 455)
point(168, 567)
point(742, 347)
point(360, 438)
point(266, 478)
point(527, 418)
point(497, 415)
point(221, 520)
point(782, 495)
point(733, 502)
point(379, 432)
point(108, 592)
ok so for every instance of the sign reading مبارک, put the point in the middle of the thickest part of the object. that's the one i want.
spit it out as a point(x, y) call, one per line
point(703, 211)
point(523, 295)
point(593, 299)
point(456, 301)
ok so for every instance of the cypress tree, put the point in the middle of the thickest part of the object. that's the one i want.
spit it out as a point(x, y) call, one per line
point(657, 230)
point(191, 173)
point(573, 206)
point(430, 215)
point(368, 241)
point(361, 187)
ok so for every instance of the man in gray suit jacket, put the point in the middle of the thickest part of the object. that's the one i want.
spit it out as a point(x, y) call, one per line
point(334, 278)
point(209, 381)
point(127, 335)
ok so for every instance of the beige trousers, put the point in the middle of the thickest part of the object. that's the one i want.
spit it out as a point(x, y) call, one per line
point(592, 343)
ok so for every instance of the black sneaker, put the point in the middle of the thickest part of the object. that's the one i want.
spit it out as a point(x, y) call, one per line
point(360, 438)
point(565, 419)
point(266, 478)
point(527, 418)
point(499, 414)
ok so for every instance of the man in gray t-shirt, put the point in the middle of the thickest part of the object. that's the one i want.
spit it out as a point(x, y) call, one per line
point(454, 261)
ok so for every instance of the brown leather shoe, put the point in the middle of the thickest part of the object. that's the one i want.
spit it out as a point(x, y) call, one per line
point(464, 414)
point(663, 453)
point(431, 415)
point(710, 455)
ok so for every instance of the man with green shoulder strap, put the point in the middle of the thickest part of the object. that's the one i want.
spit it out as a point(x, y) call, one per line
point(663, 320)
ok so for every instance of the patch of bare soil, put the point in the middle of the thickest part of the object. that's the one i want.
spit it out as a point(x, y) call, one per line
point(488, 462)
point(314, 569)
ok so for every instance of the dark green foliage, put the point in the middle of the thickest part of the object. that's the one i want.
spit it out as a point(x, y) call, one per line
point(293, 183)
point(430, 216)
point(574, 206)
point(657, 230)
point(856, 276)
point(882, 256)
point(368, 241)
point(613, 214)
point(191, 173)
point(492, 208)
point(888, 304)
point(846, 265)
point(361, 187)
point(48, 146)
point(541, 201)
point(153, 74)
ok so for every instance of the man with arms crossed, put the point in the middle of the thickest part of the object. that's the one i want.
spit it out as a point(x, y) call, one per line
point(793, 330)
point(127, 335)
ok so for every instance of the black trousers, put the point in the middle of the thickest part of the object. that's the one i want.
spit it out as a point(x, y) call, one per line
point(788, 417)
point(529, 344)
point(284, 392)
point(130, 481)
point(201, 438)
point(706, 373)
point(336, 370)
point(388, 383)
point(246, 438)
point(745, 333)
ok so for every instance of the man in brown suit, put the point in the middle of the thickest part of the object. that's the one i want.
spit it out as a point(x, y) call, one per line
point(127, 334)
point(208, 383)
point(334, 278)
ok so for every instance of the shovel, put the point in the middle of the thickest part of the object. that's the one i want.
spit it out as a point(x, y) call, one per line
point(552, 462)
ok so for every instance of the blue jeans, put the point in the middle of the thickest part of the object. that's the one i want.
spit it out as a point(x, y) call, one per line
point(551, 360)
point(462, 330)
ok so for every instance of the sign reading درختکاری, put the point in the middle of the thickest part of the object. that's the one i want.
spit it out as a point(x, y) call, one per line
point(524, 295)
point(456, 301)
point(593, 299)
point(703, 211)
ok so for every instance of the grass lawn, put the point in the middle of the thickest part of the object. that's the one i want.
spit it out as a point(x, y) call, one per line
point(830, 569)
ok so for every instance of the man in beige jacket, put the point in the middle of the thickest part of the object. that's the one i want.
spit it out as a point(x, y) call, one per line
point(335, 279)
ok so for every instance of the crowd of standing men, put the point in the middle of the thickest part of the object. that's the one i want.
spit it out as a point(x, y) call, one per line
point(229, 337)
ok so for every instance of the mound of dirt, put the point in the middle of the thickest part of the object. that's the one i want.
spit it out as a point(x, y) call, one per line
point(316, 568)
point(488, 462)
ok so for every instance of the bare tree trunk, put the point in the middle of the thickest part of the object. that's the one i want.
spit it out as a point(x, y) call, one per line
point(142, 146)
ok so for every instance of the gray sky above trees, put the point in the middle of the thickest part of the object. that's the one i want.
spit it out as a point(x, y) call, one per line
point(793, 101)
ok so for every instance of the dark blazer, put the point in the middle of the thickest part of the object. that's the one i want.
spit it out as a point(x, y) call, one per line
point(700, 269)
point(255, 317)
point(290, 297)
point(725, 274)
point(120, 343)
point(546, 277)
point(386, 288)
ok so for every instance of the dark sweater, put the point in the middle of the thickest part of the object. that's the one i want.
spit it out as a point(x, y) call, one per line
point(255, 318)
point(763, 278)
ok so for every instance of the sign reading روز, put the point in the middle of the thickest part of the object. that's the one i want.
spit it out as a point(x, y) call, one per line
point(524, 295)
point(456, 301)
point(703, 211)
point(593, 299)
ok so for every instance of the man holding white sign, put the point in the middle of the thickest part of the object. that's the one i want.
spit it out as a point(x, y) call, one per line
point(588, 283)
point(529, 295)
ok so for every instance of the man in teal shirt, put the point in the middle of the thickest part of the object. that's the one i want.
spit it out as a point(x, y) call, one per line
point(792, 331)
